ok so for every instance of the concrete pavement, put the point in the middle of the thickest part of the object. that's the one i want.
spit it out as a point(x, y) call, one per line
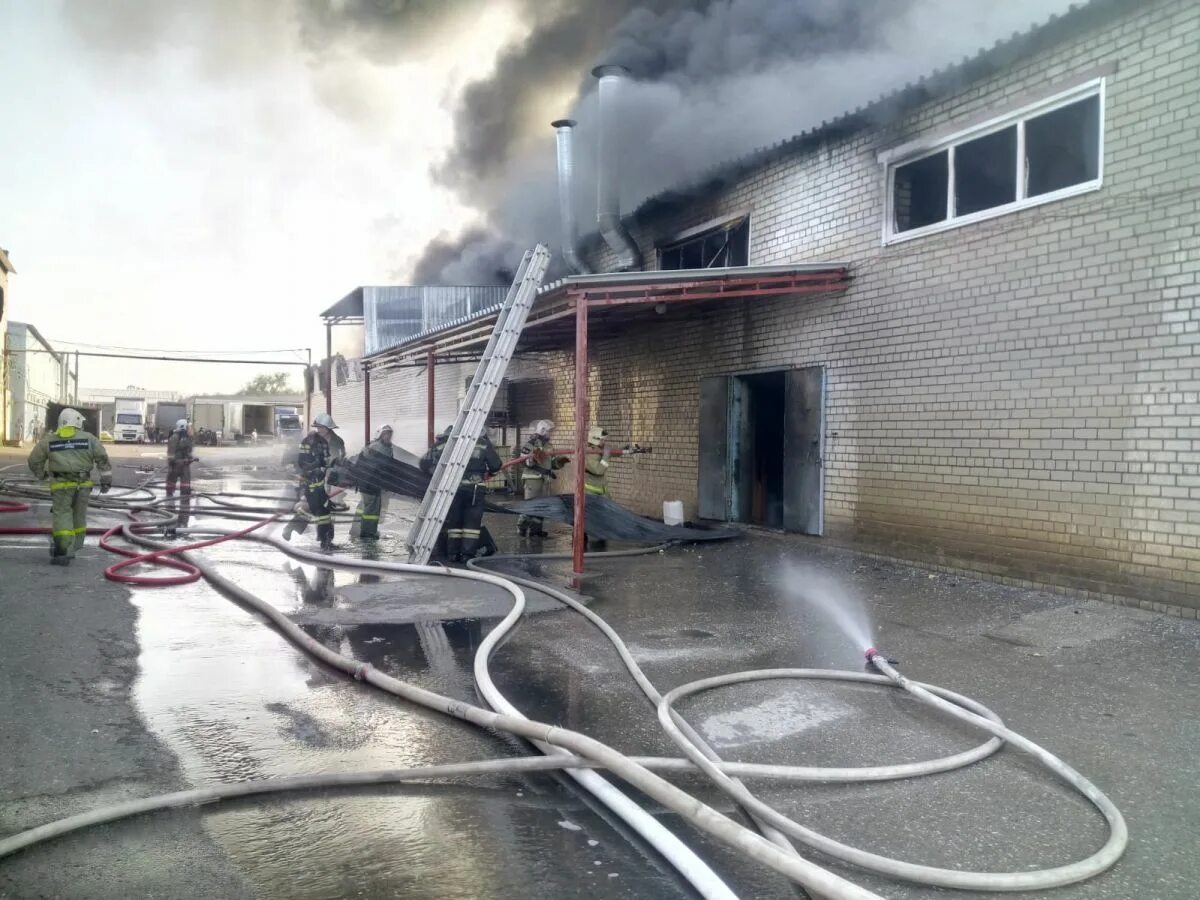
point(112, 695)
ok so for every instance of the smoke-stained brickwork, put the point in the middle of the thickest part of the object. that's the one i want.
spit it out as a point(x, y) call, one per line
point(1019, 396)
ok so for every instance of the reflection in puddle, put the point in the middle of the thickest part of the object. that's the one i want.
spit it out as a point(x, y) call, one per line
point(235, 701)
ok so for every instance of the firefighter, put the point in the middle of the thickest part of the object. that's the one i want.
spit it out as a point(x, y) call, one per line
point(314, 461)
point(179, 471)
point(539, 470)
point(595, 474)
point(337, 456)
point(67, 457)
point(430, 460)
point(464, 521)
point(371, 504)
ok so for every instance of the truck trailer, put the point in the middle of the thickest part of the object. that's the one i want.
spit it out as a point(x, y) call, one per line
point(166, 414)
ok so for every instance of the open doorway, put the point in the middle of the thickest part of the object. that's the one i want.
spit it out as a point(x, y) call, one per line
point(757, 409)
point(760, 455)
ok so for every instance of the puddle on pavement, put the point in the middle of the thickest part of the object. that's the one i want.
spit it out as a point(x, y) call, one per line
point(234, 701)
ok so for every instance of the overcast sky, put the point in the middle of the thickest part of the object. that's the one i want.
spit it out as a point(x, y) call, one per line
point(149, 203)
point(208, 175)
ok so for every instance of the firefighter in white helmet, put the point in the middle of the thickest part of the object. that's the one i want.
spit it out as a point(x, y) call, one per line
point(314, 461)
point(179, 470)
point(371, 504)
point(595, 474)
point(66, 457)
point(537, 474)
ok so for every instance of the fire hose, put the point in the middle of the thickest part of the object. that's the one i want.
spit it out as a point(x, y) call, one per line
point(584, 752)
point(541, 455)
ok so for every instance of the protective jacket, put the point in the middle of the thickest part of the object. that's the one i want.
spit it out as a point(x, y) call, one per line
point(484, 460)
point(180, 447)
point(376, 448)
point(314, 458)
point(595, 474)
point(70, 452)
point(538, 463)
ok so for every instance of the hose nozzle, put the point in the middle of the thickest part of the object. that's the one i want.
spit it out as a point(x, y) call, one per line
point(872, 654)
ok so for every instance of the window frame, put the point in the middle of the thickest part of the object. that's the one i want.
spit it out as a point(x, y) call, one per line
point(727, 223)
point(914, 151)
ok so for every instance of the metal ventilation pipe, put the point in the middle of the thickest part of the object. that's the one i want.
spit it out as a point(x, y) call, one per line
point(564, 129)
point(608, 200)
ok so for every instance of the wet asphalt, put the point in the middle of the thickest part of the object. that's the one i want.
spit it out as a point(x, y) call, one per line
point(111, 693)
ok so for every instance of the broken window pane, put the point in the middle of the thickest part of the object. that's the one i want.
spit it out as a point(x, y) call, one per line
point(1062, 148)
point(985, 172)
point(721, 247)
point(919, 192)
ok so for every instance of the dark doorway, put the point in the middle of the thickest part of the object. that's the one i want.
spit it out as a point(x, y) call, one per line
point(760, 458)
point(756, 442)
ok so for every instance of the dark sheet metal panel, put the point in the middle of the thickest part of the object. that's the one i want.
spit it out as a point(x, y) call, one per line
point(804, 469)
point(714, 447)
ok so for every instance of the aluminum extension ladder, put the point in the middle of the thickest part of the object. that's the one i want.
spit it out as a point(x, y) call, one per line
point(472, 417)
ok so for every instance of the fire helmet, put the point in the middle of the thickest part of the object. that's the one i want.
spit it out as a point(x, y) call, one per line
point(325, 420)
point(70, 418)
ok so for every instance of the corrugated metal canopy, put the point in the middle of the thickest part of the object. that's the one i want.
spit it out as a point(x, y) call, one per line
point(616, 300)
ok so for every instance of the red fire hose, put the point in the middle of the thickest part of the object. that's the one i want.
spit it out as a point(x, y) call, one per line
point(156, 558)
point(163, 558)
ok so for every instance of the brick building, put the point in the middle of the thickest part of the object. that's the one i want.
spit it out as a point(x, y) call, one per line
point(1009, 381)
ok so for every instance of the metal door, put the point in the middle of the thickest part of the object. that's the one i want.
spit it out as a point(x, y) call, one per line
point(713, 453)
point(804, 468)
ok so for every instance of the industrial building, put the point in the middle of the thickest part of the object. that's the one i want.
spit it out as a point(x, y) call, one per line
point(36, 375)
point(957, 325)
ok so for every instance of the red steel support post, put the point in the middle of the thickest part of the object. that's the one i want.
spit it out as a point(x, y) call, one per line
point(429, 401)
point(581, 427)
point(329, 368)
point(366, 404)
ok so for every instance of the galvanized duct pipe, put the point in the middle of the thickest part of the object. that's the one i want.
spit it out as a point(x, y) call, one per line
point(564, 130)
point(608, 185)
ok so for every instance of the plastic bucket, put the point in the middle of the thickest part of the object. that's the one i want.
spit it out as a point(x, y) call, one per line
point(672, 512)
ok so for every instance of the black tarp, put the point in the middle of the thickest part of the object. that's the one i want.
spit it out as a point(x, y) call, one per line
point(606, 519)
point(610, 521)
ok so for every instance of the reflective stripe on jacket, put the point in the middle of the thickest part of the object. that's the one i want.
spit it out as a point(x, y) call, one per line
point(595, 473)
point(69, 455)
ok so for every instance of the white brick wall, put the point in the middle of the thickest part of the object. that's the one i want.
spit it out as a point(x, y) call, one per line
point(1020, 395)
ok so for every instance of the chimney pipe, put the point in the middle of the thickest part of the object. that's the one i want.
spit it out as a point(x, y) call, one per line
point(564, 129)
point(608, 196)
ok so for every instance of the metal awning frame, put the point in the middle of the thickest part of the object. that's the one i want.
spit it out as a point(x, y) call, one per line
point(576, 299)
point(464, 341)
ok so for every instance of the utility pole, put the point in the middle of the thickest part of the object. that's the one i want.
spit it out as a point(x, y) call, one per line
point(329, 367)
point(75, 393)
point(309, 378)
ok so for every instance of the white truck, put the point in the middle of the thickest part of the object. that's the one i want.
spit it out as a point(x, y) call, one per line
point(129, 419)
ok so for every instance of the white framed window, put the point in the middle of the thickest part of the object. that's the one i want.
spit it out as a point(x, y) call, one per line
point(1043, 152)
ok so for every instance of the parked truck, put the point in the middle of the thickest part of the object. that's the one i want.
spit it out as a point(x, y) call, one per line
point(287, 421)
point(129, 415)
